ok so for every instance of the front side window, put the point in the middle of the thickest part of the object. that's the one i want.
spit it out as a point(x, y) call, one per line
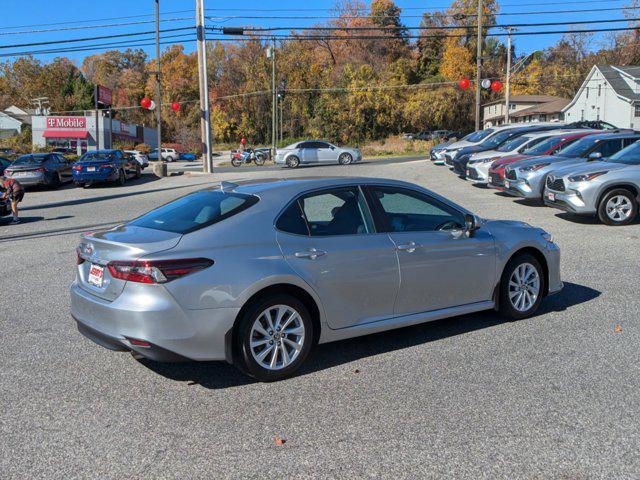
point(405, 210)
point(609, 147)
point(339, 211)
point(629, 155)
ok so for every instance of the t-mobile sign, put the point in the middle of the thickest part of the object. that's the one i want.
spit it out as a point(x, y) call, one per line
point(69, 123)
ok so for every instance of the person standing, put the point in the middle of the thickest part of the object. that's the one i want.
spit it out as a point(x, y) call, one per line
point(14, 192)
point(243, 144)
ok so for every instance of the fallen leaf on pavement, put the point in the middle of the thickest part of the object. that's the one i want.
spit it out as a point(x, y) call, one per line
point(280, 441)
point(617, 329)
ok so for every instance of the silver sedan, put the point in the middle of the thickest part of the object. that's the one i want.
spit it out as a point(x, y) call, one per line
point(257, 273)
point(312, 152)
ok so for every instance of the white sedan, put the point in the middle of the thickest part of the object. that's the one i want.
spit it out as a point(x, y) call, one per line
point(311, 152)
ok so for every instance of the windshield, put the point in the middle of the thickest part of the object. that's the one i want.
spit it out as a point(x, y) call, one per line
point(629, 155)
point(195, 211)
point(498, 138)
point(579, 148)
point(98, 157)
point(514, 143)
point(543, 146)
point(28, 160)
point(479, 135)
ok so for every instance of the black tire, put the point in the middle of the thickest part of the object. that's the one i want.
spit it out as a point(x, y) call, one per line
point(244, 358)
point(55, 180)
point(170, 159)
point(122, 178)
point(260, 159)
point(138, 172)
point(345, 159)
point(616, 217)
point(293, 161)
point(236, 162)
point(507, 309)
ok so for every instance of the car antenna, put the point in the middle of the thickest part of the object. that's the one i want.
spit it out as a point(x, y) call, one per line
point(228, 186)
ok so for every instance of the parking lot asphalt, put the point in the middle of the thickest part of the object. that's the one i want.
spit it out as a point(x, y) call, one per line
point(554, 396)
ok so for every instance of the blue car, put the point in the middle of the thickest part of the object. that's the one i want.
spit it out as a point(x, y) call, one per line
point(189, 157)
point(105, 166)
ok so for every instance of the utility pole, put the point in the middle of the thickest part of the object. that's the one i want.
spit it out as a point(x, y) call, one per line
point(478, 64)
point(508, 87)
point(281, 115)
point(95, 103)
point(158, 90)
point(205, 116)
point(274, 99)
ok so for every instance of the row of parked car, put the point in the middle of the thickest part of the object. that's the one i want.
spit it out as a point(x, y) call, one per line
point(584, 168)
point(445, 135)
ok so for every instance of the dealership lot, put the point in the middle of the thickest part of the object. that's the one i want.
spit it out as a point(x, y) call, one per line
point(555, 396)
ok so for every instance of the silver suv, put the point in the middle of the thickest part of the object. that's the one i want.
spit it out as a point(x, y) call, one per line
point(608, 189)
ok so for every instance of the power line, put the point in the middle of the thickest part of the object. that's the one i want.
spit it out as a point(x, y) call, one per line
point(445, 27)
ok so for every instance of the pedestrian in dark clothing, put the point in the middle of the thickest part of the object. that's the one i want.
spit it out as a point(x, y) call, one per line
point(14, 192)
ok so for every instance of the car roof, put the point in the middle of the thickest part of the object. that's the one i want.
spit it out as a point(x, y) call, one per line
point(111, 150)
point(615, 135)
point(37, 154)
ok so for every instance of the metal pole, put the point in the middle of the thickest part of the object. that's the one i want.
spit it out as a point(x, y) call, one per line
point(158, 90)
point(110, 127)
point(281, 115)
point(205, 115)
point(508, 87)
point(478, 64)
point(95, 101)
point(274, 99)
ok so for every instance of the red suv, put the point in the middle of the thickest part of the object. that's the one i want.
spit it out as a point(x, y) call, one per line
point(550, 146)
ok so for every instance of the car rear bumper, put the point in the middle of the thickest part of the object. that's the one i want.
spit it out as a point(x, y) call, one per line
point(31, 180)
point(173, 333)
point(86, 177)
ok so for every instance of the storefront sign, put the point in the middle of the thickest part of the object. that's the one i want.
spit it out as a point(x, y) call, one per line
point(104, 95)
point(68, 123)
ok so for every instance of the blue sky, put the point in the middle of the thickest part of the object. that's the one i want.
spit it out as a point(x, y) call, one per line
point(69, 12)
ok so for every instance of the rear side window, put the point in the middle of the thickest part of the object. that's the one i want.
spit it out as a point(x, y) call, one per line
point(195, 211)
point(292, 220)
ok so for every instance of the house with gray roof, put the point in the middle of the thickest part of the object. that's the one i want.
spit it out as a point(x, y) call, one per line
point(609, 93)
point(13, 119)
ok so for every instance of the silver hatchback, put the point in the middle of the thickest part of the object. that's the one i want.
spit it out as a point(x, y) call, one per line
point(256, 273)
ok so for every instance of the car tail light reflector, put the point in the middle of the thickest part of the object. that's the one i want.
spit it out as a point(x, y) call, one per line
point(77, 168)
point(79, 259)
point(139, 343)
point(156, 271)
point(107, 165)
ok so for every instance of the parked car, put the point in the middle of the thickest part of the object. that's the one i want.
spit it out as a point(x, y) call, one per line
point(168, 154)
point(189, 157)
point(34, 169)
point(551, 146)
point(257, 273)
point(440, 134)
point(65, 150)
point(140, 157)
point(438, 152)
point(105, 166)
point(7, 151)
point(608, 188)
point(311, 152)
point(459, 163)
point(526, 178)
point(4, 163)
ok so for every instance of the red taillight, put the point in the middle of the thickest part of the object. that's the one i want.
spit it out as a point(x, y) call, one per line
point(8, 172)
point(77, 168)
point(107, 165)
point(79, 259)
point(139, 343)
point(156, 271)
point(41, 170)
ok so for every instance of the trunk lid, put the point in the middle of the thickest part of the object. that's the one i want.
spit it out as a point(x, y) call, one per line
point(125, 242)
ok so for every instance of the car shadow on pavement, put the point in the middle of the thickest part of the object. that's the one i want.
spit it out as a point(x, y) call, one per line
point(217, 375)
point(530, 202)
point(81, 201)
point(581, 219)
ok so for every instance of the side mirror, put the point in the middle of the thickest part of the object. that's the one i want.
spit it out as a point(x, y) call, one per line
point(471, 224)
point(594, 155)
point(332, 147)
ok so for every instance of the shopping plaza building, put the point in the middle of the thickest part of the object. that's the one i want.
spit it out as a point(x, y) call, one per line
point(80, 134)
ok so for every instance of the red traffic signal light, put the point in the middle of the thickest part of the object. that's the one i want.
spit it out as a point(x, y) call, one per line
point(464, 83)
point(175, 106)
point(496, 85)
point(145, 102)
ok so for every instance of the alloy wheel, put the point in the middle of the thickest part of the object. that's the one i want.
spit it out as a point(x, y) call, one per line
point(345, 159)
point(619, 208)
point(524, 287)
point(277, 337)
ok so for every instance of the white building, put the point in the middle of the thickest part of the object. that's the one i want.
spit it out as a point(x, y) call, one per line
point(610, 94)
point(79, 132)
point(13, 119)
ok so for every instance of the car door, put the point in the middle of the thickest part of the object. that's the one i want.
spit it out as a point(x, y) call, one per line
point(309, 152)
point(64, 168)
point(326, 152)
point(441, 266)
point(328, 239)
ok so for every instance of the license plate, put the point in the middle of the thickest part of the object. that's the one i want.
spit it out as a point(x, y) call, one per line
point(506, 183)
point(551, 196)
point(91, 169)
point(96, 273)
point(20, 174)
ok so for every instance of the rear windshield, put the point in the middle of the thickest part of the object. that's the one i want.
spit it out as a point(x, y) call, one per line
point(629, 155)
point(98, 157)
point(195, 211)
point(28, 160)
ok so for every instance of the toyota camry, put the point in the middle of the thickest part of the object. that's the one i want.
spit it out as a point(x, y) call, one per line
point(257, 273)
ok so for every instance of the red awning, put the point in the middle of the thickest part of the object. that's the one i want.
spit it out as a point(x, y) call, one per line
point(66, 134)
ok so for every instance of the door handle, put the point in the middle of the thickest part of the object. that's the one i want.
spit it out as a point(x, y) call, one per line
point(409, 247)
point(310, 253)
